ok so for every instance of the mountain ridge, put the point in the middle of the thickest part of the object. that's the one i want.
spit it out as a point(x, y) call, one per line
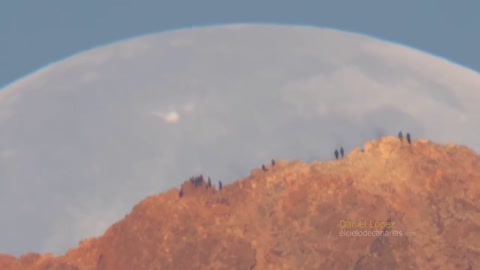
point(290, 217)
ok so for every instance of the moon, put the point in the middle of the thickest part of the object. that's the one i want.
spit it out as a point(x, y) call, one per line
point(86, 138)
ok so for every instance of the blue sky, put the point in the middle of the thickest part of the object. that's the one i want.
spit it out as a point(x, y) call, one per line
point(35, 33)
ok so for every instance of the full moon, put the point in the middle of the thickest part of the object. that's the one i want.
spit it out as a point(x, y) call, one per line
point(84, 139)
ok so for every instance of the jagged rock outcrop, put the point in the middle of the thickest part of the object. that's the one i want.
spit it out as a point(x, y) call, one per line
point(294, 216)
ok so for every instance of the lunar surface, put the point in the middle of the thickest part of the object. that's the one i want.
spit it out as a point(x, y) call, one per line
point(86, 138)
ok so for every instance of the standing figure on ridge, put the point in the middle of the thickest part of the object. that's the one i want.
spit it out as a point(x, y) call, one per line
point(341, 151)
point(209, 184)
point(199, 180)
point(196, 181)
point(264, 168)
point(180, 193)
point(220, 185)
point(400, 136)
point(273, 162)
point(408, 138)
point(336, 153)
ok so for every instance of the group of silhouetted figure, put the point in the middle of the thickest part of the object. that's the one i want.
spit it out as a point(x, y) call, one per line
point(199, 181)
point(264, 168)
point(400, 136)
point(337, 152)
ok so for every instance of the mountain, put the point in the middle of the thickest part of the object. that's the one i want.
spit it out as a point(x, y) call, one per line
point(418, 204)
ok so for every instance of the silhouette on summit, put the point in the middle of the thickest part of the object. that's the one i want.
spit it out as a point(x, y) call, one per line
point(341, 151)
point(400, 135)
point(408, 138)
point(336, 153)
point(273, 162)
point(197, 180)
point(220, 185)
point(264, 168)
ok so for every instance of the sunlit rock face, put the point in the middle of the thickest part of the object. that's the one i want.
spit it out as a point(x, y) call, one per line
point(396, 205)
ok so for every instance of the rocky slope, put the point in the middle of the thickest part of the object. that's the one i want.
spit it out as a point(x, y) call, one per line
point(296, 216)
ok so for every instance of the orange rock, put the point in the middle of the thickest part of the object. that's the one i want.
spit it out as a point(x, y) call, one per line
point(296, 216)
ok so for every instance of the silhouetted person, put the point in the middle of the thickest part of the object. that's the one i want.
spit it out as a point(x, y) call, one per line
point(220, 185)
point(336, 153)
point(341, 151)
point(408, 138)
point(273, 162)
point(264, 168)
point(196, 181)
point(209, 184)
point(400, 135)
point(180, 193)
